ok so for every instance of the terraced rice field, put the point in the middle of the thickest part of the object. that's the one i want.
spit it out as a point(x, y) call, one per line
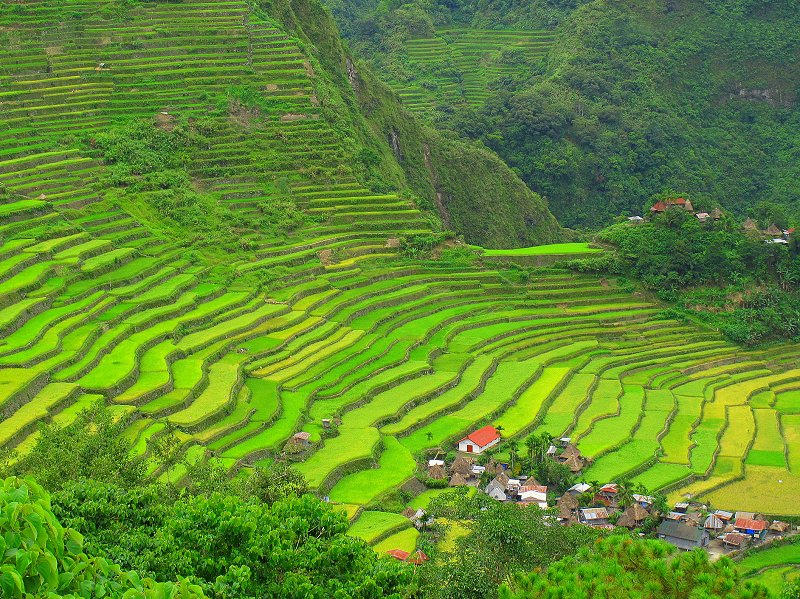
point(773, 567)
point(461, 65)
point(100, 304)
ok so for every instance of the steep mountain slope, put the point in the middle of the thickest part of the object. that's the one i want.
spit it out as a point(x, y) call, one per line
point(184, 237)
point(633, 99)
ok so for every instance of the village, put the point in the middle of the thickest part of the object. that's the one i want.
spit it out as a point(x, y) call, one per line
point(772, 234)
point(687, 525)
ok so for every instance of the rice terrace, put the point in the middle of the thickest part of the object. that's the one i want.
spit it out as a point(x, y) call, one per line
point(189, 236)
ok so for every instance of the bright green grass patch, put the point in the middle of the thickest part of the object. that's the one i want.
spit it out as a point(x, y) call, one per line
point(395, 466)
point(604, 402)
point(222, 378)
point(469, 382)
point(561, 413)
point(390, 401)
point(788, 402)
point(278, 432)
point(705, 444)
point(676, 441)
point(545, 250)
point(660, 475)
point(764, 457)
point(525, 409)
point(785, 554)
point(336, 452)
point(611, 430)
point(405, 540)
point(35, 409)
point(371, 525)
point(424, 499)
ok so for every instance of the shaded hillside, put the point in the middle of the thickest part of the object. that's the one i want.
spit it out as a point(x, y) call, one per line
point(469, 188)
point(635, 98)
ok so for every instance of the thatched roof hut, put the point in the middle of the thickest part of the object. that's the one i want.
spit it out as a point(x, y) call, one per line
point(574, 463)
point(778, 526)
point(634, 515)
point(437, 472)
point(462, 465)
point(458, 480)
point(569, 451)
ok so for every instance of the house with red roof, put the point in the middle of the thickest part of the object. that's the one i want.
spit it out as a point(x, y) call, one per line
point(480, 440)
point(664, 205)
point(747, 526)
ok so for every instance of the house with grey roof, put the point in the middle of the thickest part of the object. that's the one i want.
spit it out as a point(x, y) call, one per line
point(682, 535)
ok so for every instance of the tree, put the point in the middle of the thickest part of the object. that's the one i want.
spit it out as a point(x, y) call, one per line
point(93, 446)
point(503, 540)
point(620, 566)
point(233, 547)
point(513, 447)
point(275, 482)
point(42, 558)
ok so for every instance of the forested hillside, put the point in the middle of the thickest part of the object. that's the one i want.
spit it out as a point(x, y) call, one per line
point(632, 98)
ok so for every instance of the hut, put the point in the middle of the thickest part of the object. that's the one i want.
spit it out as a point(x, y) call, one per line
point(437, 472)
point(633, 516)
point(462, 465)
point(779, 527)
point(458, 480)
point(574, 463)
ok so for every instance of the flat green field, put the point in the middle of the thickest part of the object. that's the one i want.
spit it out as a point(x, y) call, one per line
point(546, 250)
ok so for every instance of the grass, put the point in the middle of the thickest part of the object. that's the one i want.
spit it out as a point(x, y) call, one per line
point(395, 466)
point(372, 524)
point(405, 540)
point(546, 250)
point(244, 344)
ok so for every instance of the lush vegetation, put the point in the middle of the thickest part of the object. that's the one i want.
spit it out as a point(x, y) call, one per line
point(41, 558)
point(621, 567)
point(217, 231)
point(715, 271)
point(500, 541)
point(633, 98)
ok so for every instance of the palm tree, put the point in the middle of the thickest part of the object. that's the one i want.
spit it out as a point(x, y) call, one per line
point(530, 444)
point(429, 436)
point(624, 493)
point(513, 447)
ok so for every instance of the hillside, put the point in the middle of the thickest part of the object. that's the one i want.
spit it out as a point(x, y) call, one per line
point(207, 222)
point(631, 99)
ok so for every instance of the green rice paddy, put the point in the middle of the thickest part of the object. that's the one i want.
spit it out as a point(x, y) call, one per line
point(98, 303)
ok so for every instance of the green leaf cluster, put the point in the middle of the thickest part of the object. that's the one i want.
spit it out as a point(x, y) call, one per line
point(41, 558)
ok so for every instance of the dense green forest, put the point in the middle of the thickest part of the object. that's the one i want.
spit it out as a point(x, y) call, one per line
point(716, 272)
point(634, 98)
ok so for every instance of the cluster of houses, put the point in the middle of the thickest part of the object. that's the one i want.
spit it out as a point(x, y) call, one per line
point(687, 526)
point(605, 507)
point(691, 525)
point(662, 206)
point(772, 234)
